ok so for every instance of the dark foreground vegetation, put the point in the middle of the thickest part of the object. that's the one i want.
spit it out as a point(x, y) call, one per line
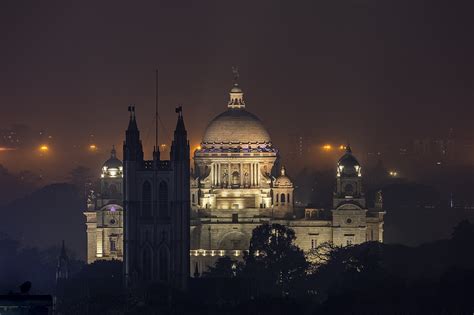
point(371, 278)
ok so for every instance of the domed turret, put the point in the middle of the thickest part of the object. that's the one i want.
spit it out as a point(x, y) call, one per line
point(348, 166)
point(113, 167)
point(283, 180)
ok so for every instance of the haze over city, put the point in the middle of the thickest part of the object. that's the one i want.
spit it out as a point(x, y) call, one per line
point(340, 129)
point(375, 75)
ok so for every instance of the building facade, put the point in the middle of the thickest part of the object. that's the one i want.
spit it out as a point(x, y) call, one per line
point(237, 185)
point(157, 209)
point(166, 222)
point(104, 214)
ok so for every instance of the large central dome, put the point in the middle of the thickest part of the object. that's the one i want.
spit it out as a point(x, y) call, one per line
point(236, 127)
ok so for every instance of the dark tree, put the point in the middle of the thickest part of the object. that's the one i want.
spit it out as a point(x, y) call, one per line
point(274, 262)
point(25, 287)
point(225, 267)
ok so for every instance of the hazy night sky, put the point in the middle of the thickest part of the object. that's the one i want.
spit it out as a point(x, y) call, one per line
point(367, 72)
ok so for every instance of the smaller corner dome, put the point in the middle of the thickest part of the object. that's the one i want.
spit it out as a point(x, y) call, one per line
point(283, 180)
point(113, 162)
point(348, 164)
point(236, 89)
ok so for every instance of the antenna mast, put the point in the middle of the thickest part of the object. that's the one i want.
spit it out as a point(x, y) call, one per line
point(156, 113)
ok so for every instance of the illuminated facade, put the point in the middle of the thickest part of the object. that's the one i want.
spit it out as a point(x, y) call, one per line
point(237, 186)
point(104, 215)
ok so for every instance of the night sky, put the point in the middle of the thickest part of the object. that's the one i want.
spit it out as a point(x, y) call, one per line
point(367, 72)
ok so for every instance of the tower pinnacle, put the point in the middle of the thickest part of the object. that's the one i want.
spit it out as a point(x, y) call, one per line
point(236, 94)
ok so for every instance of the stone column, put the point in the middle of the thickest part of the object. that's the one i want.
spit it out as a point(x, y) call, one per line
point(241, 172)
point(257, 173)
point(213, 174)
point(100, 242)
point(251, 175)
point(229, 178)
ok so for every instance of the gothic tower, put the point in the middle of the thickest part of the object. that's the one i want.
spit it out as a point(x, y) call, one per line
point(156, 206)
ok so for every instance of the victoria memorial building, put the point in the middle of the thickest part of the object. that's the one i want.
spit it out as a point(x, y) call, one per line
point(236, 185)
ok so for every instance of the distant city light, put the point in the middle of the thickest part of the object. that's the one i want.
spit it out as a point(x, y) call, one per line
point(93, 147)
point(7, 149)
point(393, 173)
point(44, 148)
point(342, 147)
point(163, 147)
point(327, 147)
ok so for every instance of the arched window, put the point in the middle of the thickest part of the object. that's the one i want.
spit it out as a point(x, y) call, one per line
point(235, 179)
point(164, 264)
point(113, 189)
point(282, 198)
point(348, 189)
point(146, 199)
point(147, 263)
point(288, 198)
point(193, 199)
point(163, 200)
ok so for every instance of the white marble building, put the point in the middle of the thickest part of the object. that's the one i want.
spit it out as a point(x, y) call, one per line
point(233, 191)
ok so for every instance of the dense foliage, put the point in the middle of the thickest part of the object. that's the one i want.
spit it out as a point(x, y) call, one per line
point(275, 277)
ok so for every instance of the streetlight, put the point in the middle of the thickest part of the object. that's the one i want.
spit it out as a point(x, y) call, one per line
point(393, 173)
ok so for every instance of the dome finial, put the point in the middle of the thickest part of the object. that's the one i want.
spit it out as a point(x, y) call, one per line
point(236, 93)
point(283, 171)
point(113, 153)
point(235, 71)
point(348, 148)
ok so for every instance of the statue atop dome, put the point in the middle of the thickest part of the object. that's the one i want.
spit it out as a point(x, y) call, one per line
point(236, 94)
point(235, 71)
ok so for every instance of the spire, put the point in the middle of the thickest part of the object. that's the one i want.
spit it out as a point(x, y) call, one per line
point(62, 270)
point(132, 148)
point(132, 124)
point(236, 94)
point(180, 146)
point(113, 153)
point(63, 250)
point(180, 123)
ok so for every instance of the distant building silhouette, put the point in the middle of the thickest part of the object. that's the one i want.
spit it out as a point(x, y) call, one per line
point(62, 269)
point(62, 275)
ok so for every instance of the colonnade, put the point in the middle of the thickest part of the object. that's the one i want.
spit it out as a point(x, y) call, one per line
point(218, 178)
